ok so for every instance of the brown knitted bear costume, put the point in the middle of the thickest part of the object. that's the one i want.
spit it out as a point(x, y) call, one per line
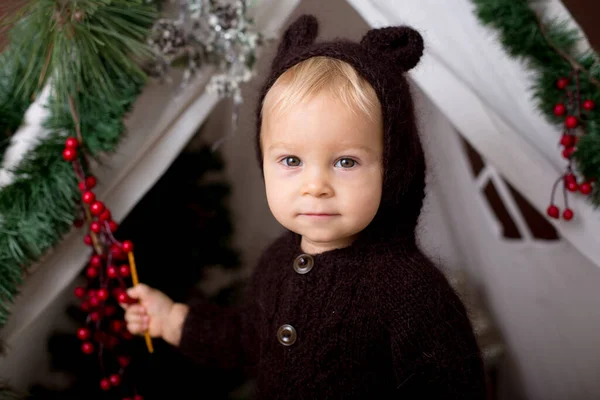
point(375, 320)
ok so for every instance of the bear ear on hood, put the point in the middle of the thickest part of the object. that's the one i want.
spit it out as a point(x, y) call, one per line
point(402, 45)
point(301, 33)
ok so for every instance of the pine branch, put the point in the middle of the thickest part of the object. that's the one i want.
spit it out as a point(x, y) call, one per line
point(88, 48)
point(549, 49)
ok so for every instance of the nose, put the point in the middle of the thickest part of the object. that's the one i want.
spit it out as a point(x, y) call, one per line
point(317, 183)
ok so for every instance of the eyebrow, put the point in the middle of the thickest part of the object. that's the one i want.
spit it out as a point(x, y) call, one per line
point(348, 147)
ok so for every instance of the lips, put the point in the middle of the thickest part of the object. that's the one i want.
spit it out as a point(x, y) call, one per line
point(319, 214)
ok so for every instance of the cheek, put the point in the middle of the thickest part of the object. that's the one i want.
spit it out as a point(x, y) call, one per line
point(276, 190)
point(362, 196)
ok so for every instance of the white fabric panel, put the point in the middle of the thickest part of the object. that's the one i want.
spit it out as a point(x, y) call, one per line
point(542, 294)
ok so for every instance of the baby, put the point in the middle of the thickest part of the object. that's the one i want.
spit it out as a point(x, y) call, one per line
point(344, 305)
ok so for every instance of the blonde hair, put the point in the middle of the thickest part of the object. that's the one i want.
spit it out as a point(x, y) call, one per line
point(318, 74)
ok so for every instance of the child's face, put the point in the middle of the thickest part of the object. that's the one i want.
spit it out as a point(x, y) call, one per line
point(323, 171)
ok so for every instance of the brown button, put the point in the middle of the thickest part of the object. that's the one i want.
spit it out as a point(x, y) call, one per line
point(303, 263)
point(286, 334)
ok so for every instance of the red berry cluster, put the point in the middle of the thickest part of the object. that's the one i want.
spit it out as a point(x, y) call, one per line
point(572, 112)
point(107, 272)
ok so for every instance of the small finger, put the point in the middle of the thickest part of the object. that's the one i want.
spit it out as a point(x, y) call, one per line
point(137, 328)
point(139, 291)
point(137, 309)
point(136, 318)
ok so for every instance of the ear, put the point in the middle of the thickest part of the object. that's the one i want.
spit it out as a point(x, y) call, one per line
point(402, 45)
point(300, 33)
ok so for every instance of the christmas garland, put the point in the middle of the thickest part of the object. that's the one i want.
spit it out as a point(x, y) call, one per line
point(67, 47)
point(566, 90)
point(80, 64)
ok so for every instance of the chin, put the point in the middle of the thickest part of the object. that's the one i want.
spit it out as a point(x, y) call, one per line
point(323, 237)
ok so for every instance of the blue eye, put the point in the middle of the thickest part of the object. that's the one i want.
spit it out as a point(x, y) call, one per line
point(291, 161)
point(346, 163)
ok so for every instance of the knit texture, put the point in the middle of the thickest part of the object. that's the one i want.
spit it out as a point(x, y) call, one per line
point(375, 320)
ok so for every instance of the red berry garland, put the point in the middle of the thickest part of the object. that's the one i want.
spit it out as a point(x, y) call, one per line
point(574, 127)
point(106, 285)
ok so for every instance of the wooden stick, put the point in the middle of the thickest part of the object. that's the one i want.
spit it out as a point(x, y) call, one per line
point(134, 276)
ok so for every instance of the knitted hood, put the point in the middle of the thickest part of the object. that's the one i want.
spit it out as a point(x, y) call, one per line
point(381, 57)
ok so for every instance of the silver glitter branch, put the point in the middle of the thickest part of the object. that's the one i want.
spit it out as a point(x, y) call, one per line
point(208, 32)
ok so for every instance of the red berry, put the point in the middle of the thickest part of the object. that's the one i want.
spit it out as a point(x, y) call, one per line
point(589, 105)
point(78, 223)
point(85, 306)
point(124, 270)
point(571, 122)
point(570, 178)
point(95, 316)
point(138, 397)
point(71, 142)
point(585, 188)
point(115, 379)
point(95, 260)
point(124, 298)
point(553, 211)
point(560, 110)
point(105, 384)
point(91, 272)
point(96, 227)
point(110, 310)
point(87, 239)
point(83, 333)
point(113, 226)
point(69, 154)
point(97, 207)
point(568, 214)
point(88, 197)
point(123, 361)
point(102, 294)
point(81, 186)
point(127, 335)
point(116, 325)
point(116, 252)
point(94, 301)
point(567, 140)
point(79, 292)
point(90, 182)
point(562, 83)
point(572, 186)
point(568, 151)
point(112, 271)
point(87, 348)
point(92, 292)
point(105, 216)
point(127, 246)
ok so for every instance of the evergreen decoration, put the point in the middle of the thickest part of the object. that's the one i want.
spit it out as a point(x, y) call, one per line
point(566, 88)
point(89, 52)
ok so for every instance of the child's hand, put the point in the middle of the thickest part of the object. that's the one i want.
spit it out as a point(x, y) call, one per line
point(150, 314)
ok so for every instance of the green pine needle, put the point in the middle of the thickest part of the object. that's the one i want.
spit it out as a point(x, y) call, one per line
point(522, 38)
point(90, 60)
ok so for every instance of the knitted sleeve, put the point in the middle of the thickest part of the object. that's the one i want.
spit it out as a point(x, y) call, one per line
point(434, 349)
point(220, 337)
point(223, 337)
